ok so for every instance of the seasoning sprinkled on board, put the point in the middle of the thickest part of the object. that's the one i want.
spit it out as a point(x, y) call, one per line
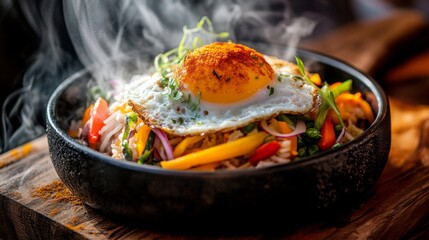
point(56, 191)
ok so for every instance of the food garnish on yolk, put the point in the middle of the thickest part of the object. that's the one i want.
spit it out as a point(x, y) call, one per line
point(224, 72)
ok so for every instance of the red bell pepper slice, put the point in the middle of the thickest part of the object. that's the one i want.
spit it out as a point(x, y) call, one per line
point(99, 113)
point(265, 151)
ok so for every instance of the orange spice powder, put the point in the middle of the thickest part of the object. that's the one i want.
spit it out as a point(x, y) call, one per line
point(54, 211)
point(224, 72)
point(56, 191)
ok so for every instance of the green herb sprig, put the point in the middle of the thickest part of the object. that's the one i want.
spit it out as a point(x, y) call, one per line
point(327, 97)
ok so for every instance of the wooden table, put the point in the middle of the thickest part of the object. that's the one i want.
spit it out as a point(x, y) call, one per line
point(34, 203)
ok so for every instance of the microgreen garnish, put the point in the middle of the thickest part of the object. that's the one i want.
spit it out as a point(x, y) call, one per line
point(195, 117)
point(180, 120)
point(174, 92)
point(164, 81)
point(261, 64)
point(165, 61)
point(271, 90)
point(327, 97)
point(279, 79)
point(194, 104)
point(188, 99)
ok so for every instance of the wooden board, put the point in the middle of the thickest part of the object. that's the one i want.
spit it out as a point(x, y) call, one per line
point(366, 45)
point(398, 206)
point(34, 204)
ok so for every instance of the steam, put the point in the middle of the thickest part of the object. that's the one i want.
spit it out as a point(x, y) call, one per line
point(23, 112)
point(116, 34)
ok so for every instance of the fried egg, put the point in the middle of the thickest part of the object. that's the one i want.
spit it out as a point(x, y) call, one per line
point(223, 86)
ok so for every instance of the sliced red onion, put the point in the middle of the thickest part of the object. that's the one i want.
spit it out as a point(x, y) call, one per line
point(164, 140)
point(156, 143)
point(299, 129)
point(158, 148)
point(342, 133)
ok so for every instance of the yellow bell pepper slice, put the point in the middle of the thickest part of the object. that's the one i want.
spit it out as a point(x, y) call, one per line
point(142, 135)
point(181, 147)
point(239, 147)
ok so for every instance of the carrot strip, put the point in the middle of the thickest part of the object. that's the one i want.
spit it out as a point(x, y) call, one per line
point(328, 135)
point(284, 128)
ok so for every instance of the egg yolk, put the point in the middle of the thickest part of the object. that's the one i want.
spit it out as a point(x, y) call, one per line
point(224, 72)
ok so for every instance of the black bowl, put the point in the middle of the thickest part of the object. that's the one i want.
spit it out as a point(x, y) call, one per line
point(325, 181)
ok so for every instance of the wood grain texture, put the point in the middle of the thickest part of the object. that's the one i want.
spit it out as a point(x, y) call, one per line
point(366, 45)
point(19, 152)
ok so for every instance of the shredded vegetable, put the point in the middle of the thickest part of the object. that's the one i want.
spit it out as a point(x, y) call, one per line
point(239, 147)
